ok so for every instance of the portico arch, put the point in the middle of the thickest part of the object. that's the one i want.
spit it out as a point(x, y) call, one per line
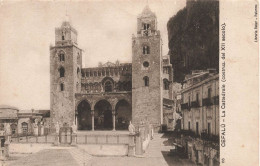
point(123, 110)
point(103, 119)
point(84, 120)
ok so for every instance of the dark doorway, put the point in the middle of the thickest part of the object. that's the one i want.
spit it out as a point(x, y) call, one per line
point(123, 115)
point(84, 116)
point(103, 116)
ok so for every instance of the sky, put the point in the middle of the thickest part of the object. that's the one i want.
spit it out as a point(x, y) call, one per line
point(104, 30)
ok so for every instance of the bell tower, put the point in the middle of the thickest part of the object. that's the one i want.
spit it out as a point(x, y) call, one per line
point(147, 70)
point(65, 74)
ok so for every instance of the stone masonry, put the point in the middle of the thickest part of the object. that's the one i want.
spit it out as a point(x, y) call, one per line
point(110, 90)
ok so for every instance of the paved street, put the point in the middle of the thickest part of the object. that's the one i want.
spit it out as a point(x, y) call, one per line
point(156, 155)
point(59, 157)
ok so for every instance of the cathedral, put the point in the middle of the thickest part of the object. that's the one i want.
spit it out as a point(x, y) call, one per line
point(112, 95)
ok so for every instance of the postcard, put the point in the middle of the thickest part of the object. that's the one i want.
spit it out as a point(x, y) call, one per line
point(138, 83)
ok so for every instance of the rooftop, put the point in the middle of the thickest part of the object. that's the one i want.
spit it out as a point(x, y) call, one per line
point(8, 107)
point(147, 12)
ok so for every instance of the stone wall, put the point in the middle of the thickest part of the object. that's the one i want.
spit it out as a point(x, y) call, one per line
point(147, 100)
point(147, 62)
point(63, 102)
point(93, 79)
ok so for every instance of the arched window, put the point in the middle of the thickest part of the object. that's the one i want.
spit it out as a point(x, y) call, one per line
point(77, 86)
point(90, 86)
point(63, 35)
point(165, 84)
point(87, 87)
point(108, 86)
point(146, 81)
point(25, 127)
point(146, 26)
point(96, 86)
point(62, 56)
point(2, 127)
point(146, 50)
point(61, 87)
point(62, 72)
point(197, 97)
point(128, 86)
point(13, 127)
point(209, 93)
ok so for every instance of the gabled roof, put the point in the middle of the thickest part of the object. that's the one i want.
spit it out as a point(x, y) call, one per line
point(147, 12)
point(108, 64)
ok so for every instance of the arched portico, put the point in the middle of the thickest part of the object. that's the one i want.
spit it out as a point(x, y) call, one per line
point(103, 119)
point(84, 117)
point(104, 111)
point(123, 111)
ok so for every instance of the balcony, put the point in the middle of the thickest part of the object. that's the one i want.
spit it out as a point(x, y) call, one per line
point(184, 106)
point(204, 136)
point(209, 137)
point(207, 102)
point(216, 100)
point(188, 133)
point(195, 104)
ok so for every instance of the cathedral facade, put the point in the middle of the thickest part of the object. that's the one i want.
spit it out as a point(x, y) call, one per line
point(111, 95)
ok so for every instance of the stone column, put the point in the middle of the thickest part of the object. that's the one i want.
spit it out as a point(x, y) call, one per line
point(76, 120)
point(74, 139)
point(131, 146)
point(114, 119)
point(138, 144)
point(92, 119)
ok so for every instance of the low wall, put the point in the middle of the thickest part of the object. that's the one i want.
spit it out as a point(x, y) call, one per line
point(34, 139)
point(105, 150)
point(99, 143)
point(120, 139)
point(28, 147)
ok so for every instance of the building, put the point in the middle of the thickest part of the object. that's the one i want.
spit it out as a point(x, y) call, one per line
point(9, 115)
point(111, 95)
point(23, 122)
point(200, 116)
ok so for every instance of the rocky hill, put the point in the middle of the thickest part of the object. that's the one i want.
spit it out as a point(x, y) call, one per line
point(194, 38)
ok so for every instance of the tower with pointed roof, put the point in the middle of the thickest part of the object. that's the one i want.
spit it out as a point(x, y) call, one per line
point(65, 74)
point(147, 70)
